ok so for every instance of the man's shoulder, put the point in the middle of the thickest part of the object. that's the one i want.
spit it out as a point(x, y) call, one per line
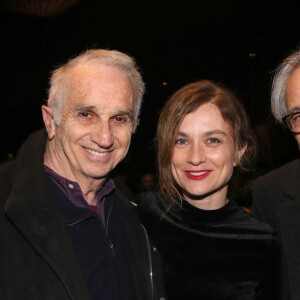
point(152, 203)
point(6, 172)
point(124, 201)
point(282, 173)
point(269, 187)
point(7, 168)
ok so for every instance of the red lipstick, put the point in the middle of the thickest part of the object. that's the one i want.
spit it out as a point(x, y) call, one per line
point(197, 175)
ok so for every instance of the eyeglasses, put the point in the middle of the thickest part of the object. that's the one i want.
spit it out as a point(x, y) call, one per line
point(292, 121)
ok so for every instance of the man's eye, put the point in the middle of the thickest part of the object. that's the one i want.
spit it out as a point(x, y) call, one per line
point(296, 118)
point(85, 114)
point(120, 119)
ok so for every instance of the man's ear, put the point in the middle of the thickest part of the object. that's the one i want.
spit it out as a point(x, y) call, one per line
point(49, 121)
point(239, 155)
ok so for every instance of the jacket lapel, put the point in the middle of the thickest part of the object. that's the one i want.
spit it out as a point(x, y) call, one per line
point(289, 217)
point(137, 249)
point(33, 211)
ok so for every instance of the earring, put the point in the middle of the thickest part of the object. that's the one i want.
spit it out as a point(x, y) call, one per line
point(236, 162)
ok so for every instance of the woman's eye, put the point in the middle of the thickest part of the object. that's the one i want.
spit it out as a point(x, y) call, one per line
point(180, 142)
point(214, 141)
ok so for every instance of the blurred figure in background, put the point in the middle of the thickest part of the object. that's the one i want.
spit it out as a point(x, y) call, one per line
point(148, 183)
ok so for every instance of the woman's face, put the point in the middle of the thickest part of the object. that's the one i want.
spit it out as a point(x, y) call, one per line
point(204, 156)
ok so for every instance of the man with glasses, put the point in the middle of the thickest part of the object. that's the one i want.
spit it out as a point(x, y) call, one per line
point(276, 196)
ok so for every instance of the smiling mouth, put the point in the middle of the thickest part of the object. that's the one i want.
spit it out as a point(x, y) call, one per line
point(96, 153)
point(197, 174)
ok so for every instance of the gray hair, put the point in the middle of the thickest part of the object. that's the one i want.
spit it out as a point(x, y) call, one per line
point(280, 82)
point(59, 80)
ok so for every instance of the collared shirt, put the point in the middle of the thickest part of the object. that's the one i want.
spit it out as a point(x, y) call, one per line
point(72, 191)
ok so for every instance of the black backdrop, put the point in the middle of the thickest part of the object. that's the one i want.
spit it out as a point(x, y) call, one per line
point(236, 42)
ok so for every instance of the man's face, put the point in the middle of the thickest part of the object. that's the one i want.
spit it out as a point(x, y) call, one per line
point(96, 124)
point(292, 98)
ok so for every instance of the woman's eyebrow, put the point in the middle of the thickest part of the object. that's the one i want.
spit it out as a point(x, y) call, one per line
point(206, 133)
point(217, 131)
point(182, 133)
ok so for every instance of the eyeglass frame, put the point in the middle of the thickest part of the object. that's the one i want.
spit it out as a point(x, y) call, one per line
point(284, 120)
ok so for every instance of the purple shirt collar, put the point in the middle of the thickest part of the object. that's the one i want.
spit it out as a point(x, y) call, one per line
point(72, 191)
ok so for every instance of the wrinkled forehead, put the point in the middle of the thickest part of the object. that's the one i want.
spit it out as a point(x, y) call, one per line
point(88, 79)
point(86, 73)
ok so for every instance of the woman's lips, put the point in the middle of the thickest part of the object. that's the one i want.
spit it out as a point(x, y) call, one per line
point(197, 175)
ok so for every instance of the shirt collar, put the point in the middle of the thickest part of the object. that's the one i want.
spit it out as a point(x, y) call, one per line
point(73, 192)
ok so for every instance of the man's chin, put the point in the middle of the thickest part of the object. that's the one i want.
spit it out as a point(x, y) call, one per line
point(98, 174)
point(99, 171)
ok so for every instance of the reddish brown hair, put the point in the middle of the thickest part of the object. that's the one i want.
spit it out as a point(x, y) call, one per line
point(187, 100)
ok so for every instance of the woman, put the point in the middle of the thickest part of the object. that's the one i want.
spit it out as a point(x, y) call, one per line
point(211, 248)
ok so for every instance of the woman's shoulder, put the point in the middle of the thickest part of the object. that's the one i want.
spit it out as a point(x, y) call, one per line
point(153, 203)
point(249, 223)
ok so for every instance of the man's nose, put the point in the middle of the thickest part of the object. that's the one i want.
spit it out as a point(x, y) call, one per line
point(102, 135)
point(196, 155)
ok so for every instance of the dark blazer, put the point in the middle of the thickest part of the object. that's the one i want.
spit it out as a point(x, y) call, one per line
point(276, 200)
point(37, 257)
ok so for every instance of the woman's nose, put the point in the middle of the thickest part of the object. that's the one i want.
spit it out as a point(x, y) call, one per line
point(196, 155)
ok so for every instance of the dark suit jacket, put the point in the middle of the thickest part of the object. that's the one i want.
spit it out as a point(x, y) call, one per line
point(276, 200)
point(37, 257)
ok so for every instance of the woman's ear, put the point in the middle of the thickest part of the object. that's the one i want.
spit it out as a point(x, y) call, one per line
point(49, 121)
point(239, 155)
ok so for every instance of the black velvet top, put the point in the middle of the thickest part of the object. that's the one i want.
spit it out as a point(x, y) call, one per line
point(213, 254)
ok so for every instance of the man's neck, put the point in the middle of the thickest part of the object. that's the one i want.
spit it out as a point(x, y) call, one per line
point(90, 198)
point(89, 186)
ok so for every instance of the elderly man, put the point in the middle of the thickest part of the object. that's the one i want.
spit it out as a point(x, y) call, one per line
point(276, 196)
point(66, 230)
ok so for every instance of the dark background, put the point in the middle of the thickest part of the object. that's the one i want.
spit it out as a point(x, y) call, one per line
point(238, 43)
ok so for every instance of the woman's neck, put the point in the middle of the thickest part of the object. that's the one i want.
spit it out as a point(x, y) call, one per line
point(212, 201)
